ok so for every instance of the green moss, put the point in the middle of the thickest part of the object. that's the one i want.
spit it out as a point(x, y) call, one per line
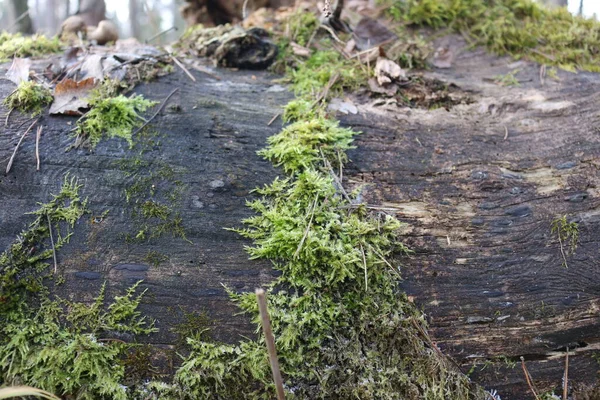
point(111, 116)
point(155, 258)
point(29, 97)
point(520, 28)
point(567, 234)
point(195, 326)
point(508, 79)
point(301, 26)
point(17, 45)
point(60, 346)
point(310, 77)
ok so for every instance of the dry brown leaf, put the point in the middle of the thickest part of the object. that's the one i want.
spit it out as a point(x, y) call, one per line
point(387, 71)
point(389, 89)
point(71, 96)
point(92, 68)
point(19, 70)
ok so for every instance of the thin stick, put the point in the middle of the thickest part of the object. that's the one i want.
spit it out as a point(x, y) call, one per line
point(528, 378)
point(180, 65)
point(266, 324)
point(505, 132)
point(161, 33)
point(52, 242)
point(365, 267)
point(37, 146)
point(12, 158)
point(157, 111)
point(244, 10)
point(562, 251)
point(332, 33)
point(566, 377)
point(273, 119)
point(312, 214)
point(25, 14)
point(8, 116)
point(206, 72)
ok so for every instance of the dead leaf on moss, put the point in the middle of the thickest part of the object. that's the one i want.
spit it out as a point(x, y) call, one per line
point(71, 96)
point(19, 70)
point(387, 71)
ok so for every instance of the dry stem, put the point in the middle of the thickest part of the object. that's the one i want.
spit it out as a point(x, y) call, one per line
point(12, 158)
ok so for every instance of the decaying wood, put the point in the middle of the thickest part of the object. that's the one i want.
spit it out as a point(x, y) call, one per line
point(487, 270)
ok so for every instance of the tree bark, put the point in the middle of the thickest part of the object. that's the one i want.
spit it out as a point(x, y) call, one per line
point(21, 10)
point(134, 15)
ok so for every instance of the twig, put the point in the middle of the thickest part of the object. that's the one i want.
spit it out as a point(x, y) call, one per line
point(542, 74)
point(528, 378)
point(332, 33)
point(157, 111)
point(365, 267)
point(206, 72)
point(312, 214)
point(12, 158)
point(335, 178)
point(160, 34)
point(244, 10)
point(180, 65)
point(37, 146)
point(8, 116)
point(562, 251)
point(273, 119)
point(505, 132)
point(326, 89)
point(270, 340)
point(566, 377)
point(25, 14)
point(52, 242)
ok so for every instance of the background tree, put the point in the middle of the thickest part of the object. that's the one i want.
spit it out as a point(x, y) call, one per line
point(20, 11)
point(92, 11)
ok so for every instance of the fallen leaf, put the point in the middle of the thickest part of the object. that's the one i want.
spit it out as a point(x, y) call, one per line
point(389, 89)
point(92, 68)
point(387, 71)
point(442, 58)
point(343, 106)
point(71, 96)
point(19, 70)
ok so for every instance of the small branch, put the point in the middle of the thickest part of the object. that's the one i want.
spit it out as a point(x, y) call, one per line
point(325, 92)
point(566, 377)
point(273, 119)
point(365, 267)
point(245, 10)
point(52, 242)
point(270, 340)
point(37, 146)
point(312, 214)
point(180, 65)
point(332, 33)
point(528, 378)
point(8, 116)
point(562, 250)
point(12, 158)
point(335, 178)
point(505, 132)
point(157, 111)
point(161, 33)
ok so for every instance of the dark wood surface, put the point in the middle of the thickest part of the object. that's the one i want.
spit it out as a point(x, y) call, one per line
point(486, 268)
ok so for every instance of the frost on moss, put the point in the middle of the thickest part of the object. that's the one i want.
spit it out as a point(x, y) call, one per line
point(520, 28)
point(17, 45)
point(29, 97)
point(111, 115)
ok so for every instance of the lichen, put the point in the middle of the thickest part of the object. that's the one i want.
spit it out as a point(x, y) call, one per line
point(17, 45)
point(29, 97)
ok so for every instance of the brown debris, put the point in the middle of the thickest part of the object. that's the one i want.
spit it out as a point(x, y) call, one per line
point(71, 96)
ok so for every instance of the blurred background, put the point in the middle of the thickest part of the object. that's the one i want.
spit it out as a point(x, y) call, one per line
point(145, 18)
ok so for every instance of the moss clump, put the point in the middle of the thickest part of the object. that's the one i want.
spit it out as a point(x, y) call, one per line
point(301, 26)
point(568, 236)
point(60, 346)
point(29, 97)
point(516, 27)
point(17, 45)
point(314, 74)
point(111, 116)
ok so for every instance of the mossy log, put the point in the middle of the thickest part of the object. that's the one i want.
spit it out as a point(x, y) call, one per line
point(479, 184)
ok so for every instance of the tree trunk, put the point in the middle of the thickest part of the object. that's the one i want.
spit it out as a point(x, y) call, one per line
point(134, 16)
point(92, 11)
point(556, 3)
point(21, 13)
